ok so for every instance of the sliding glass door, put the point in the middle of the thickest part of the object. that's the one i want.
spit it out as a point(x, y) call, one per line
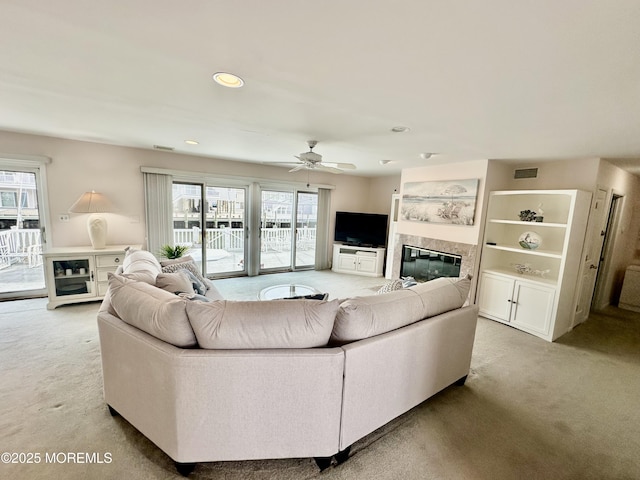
point(276, 227)
point(288, 222)
point(214, 222)
point(210, 220)
point(21, 238)
point(306, 229)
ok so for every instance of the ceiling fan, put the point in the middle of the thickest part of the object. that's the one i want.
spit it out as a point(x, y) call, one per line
point(313, 161)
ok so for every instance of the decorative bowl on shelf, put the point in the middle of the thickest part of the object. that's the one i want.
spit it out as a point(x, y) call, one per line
point(530, 240)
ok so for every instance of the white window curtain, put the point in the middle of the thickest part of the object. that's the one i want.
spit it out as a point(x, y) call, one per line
point(322, 232)
point(158, 193)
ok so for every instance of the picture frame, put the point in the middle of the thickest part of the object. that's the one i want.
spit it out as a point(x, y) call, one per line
point(447, 202)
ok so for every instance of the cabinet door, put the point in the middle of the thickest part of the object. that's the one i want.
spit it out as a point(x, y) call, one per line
point(71, 277)
point(367, 264)
point(346, 262)
point(495, 296)
point(533, 305)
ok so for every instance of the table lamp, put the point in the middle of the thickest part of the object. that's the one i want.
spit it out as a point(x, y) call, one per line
point(95, 204)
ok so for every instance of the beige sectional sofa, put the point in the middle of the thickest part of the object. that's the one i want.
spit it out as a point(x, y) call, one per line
point(235, 380)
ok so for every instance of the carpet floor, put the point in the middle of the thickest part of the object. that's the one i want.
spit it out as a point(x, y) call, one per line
point(530, 409)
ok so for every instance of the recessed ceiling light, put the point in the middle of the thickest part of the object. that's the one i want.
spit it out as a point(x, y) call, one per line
point(400, 129)
point(425, 155)
point(191, 142)
point(385, 162)
point(228, 80)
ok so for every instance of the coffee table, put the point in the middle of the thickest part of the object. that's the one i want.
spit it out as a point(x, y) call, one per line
point(287, 290)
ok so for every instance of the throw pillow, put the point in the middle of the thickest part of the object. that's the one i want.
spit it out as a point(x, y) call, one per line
point(171, 261)
point(178, 282)
point(152, 310)
point(189, 265)
point(391, 286)
point(198, 287)
point(226, 324)
point(141, 265)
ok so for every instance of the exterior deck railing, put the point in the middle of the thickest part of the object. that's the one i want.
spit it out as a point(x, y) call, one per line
point(232, 239)
point(20, 245)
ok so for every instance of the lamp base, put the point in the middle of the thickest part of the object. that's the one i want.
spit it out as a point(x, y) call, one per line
point(97, 227)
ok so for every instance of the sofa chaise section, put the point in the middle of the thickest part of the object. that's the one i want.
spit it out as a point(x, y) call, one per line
point(387, 375)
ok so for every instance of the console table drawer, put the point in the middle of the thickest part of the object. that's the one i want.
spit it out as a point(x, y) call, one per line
point(109, 260)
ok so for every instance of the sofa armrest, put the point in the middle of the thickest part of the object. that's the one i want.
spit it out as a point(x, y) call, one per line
point(213, 405)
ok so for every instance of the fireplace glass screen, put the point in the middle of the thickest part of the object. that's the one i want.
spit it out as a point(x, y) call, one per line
point(424, 265)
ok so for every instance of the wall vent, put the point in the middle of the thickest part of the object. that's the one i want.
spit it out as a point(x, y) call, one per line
point(526, 173)
point(162, 147)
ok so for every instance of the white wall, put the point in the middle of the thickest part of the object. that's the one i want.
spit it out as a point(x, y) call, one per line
point(77, 167)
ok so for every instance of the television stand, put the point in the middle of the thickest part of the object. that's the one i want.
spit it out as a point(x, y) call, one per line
point(357, 260)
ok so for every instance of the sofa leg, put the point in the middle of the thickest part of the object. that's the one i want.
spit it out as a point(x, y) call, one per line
point(185, 469)
point(460, 382)
point(343, 455)
point(323, 462)
point(113, 411)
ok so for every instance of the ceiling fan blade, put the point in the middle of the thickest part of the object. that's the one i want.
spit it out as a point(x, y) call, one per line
point(325, 168)
point(344, 166)
point(299, 167)
point(286, 164)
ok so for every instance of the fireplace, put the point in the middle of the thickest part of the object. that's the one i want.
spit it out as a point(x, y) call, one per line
point(423, 264)
point(466, 252)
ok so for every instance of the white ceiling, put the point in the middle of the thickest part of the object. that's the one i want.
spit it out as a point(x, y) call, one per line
point(499, 79)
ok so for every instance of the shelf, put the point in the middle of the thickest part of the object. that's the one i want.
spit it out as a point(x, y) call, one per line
point(523, 276)
point(538, 253)
point(537, 224)
point(75, 275)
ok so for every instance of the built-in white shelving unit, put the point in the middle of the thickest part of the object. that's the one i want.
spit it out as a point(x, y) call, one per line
point(533, 289)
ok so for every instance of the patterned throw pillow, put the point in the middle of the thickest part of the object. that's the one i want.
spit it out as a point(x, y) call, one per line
point(391, 286)
point(190, 266)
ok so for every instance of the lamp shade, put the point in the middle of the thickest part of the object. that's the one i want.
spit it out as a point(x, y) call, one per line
point(91, 202)
point(95, 204)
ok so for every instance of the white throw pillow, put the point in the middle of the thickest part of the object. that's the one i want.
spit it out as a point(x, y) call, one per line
point(141, 265)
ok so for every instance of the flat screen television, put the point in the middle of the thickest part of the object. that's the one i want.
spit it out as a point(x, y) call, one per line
point(361, 229)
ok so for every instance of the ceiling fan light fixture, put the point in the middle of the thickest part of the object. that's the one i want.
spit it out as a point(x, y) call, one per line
point(228, 80)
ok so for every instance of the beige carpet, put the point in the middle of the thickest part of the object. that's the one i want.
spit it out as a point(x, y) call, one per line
point(530, 409)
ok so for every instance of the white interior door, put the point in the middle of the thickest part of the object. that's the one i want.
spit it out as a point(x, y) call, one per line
point(591, 261)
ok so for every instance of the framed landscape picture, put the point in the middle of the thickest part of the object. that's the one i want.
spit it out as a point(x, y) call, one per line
point(450, 202)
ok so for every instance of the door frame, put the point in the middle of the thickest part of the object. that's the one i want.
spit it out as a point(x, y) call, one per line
point(615, 204)
point(37, 165)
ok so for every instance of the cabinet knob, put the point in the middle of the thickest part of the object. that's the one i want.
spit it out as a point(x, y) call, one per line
point(117, 260)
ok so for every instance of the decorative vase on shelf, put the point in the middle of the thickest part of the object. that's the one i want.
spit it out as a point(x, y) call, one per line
point(530, 240)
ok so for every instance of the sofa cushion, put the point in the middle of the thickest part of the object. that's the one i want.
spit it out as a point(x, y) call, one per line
point(226, 324)
point(141, 265)
point(363, 317)
point(152, 310)
point(178, 282)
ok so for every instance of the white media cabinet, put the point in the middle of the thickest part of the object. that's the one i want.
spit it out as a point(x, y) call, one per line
point(358, 260)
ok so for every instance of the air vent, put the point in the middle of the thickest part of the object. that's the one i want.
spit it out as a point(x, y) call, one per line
point(526, 173)
point(162, 147)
